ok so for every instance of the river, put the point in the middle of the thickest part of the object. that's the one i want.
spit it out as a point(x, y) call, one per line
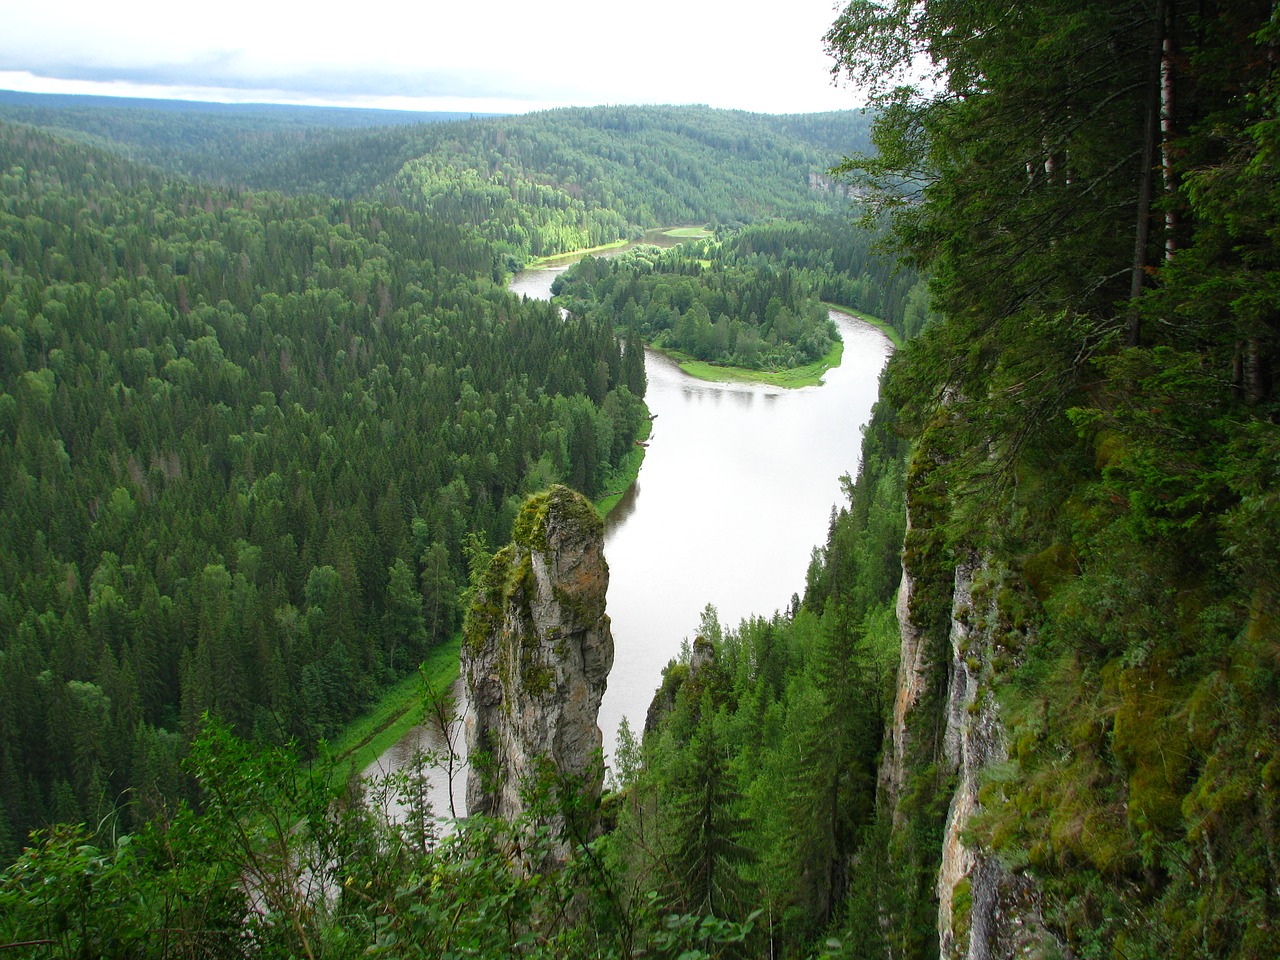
point(737, 488)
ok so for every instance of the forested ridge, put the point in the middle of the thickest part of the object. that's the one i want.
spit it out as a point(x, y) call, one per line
point(229, 143)
point(570, 179)
point(534, 185)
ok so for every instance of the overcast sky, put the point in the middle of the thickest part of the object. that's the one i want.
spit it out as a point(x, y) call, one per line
point(470, 55)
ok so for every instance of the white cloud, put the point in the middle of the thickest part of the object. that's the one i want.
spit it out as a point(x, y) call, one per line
point(572, 52)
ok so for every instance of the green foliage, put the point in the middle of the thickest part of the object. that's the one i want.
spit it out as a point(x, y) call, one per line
point(754, 300)
point(153, 894)
point(281, 860)
point(574, 179)
point(532, 185)
point(763, 320)
point(233, 143)
point(1094, 414)
point(248, 439)
point(838, 265)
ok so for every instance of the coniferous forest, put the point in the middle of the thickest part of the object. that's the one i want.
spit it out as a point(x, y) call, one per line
point(248, 438)
point(265, 414)
point(754, 300)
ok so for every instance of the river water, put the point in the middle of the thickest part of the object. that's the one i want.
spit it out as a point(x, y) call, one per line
point(736, 490)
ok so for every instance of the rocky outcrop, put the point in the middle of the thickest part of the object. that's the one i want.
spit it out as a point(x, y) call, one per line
point(913, 676)
point(985, 911)
point(946, 734)
point(536, 656)
point(675, 675)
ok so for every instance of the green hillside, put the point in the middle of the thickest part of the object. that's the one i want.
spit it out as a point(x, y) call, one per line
point(247, 443)
point(534, 185)
point(258, 438)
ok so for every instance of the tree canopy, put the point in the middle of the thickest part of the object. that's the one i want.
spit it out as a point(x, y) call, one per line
point(245, 438)
point(1091, 188)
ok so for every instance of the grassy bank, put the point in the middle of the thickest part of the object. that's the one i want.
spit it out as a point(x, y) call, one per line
point(676, 233)
point(687, 233)
point(620, 480)
point(397, 711)
point(807, 376)
point(574, 254)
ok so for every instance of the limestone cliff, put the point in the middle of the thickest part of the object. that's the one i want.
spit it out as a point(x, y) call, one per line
point(985, 911)
point(946, 733)
point(536, 656)
point(913, 673)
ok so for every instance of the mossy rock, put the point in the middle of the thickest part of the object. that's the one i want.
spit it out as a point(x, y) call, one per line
point(530, 529)
point(1109, 449)
point(1207, 710)
point(1025, 747)
point(1048, 568)
point(1262, 626)
point(487, 600)
point(1151, 739)
point(962, 913)
point(1154, 806)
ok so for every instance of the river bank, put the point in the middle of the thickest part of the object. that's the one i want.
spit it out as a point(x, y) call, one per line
point(398, 710)
point(659, 236)
point(809, 375)
point(749, 470)
point(881, 325)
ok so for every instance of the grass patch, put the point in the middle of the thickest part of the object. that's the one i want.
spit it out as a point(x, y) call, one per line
point(696, 233)
point(575, 255)
point(397, 711)
point(676, 233)
point(808, 375)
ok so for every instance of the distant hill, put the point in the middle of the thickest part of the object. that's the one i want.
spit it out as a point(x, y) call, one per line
point(284, 114)
point(223, 142)
point(535, 185)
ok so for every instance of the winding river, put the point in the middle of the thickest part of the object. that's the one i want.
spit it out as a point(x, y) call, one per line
point(736, 489)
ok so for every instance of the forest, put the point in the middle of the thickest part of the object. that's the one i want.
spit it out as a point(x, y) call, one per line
point(534, 186)
point(756, 300)
point(248, 439)
point(1028, 703)
point(254, 444)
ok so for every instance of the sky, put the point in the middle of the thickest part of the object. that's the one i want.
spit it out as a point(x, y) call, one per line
point(497, 56)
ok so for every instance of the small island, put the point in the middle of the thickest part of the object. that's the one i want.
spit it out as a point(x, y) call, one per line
point(721, 318)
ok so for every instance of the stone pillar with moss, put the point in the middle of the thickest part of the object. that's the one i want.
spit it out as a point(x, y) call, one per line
point(536, 655)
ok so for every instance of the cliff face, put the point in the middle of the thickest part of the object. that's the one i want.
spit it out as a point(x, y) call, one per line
point(946, 721)
point(985, 912)
point(913, 674)
point(536, 656)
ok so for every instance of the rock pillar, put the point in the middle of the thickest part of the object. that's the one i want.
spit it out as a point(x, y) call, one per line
point(535, 658)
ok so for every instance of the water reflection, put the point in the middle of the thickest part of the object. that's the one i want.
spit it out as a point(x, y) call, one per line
point(736, 495)
point(625, 508)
